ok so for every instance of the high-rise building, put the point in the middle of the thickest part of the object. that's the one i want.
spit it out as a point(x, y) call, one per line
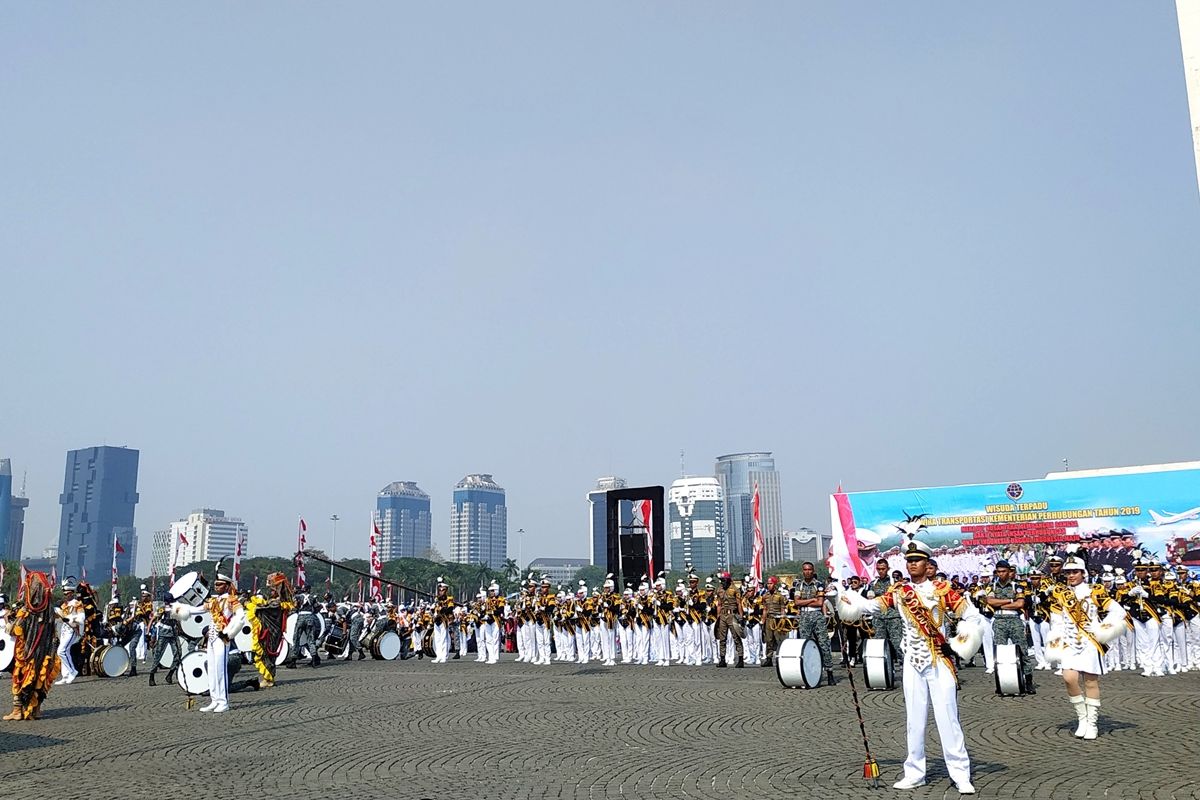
point(5, 506)
point(738, 473)
point(98, 501)
point(697, 525)
point(806, 545)
point(16, 527)
point(160, 551)
point(208, 535)
point(405, 524)
point(598, 517)
point(479, 522)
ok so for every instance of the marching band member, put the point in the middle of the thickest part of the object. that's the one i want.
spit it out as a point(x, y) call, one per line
point(165, 635)
point(1078, 639)
point(929, 672)
point(624, 632)
point(544, 612)
point(729, 620)
point(70, 630)
point(1191, 612)
point(228, 617)
point(443, 618)
point(35, 662)
point(583, 624)
point(494, 607)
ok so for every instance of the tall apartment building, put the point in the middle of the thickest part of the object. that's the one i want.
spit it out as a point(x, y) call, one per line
point(405, 524)
point(209, 535)
point(479, 522)
point(598, 517)
point(98, 501)
point(696, 520)
point(738, 473)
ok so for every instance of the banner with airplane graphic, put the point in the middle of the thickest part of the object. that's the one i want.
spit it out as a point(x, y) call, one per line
point(1107, 512)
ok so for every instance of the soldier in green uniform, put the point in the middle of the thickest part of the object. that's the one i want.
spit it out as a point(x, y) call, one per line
point(808, 595)
point(729, 619)
point(1007, 599)
point(774, 604)
point(888, 625)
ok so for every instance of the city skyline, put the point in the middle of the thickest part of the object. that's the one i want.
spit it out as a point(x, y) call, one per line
point(613, 233)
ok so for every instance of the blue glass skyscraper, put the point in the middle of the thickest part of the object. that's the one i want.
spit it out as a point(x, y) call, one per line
point(402, 514)
point(479, 522)
point(98, 500)
point(5, 506)
point(737, 473)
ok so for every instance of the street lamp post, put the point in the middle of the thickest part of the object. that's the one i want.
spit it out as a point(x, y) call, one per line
point(521, 548)
point(333, 548)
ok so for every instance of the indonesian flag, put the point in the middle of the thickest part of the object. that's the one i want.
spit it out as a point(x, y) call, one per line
point(843, 560)
point(83, 572)
point(759, 545)
point(175, 551)
point(53, 574)
point(360, 590)
point(376, 564)
point(1, 572)
point(642, 519)
point(301, 578)
point(116, 549)
point(237, 558)
point(21, 581)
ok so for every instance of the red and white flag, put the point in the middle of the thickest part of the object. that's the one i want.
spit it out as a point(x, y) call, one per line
point(642, 510)
point(360, 590)
point(116, 549)
point(843, 560)
point(376, 564)
point(1, 572)
point(53, 574)
point(83, 572)
point(301, 577)
point(756, 561)
point(21, 582)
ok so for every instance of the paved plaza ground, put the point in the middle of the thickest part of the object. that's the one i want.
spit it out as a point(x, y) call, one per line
point(464, 730)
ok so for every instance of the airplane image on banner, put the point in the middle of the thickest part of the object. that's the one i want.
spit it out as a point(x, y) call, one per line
point(1167, 518)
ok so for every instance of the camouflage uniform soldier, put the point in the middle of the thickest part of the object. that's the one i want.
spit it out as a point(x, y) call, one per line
point(888, 625)
point(773, 605)
point(1007, 598)
point(808, 595)
point(729, 612)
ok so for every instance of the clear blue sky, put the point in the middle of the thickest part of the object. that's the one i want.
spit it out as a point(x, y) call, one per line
point(293, 252)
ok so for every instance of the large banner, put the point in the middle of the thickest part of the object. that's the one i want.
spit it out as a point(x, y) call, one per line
point(971, 527)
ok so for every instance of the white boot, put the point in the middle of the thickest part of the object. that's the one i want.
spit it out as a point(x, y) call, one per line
point(1093, 714)
point(1081, 712)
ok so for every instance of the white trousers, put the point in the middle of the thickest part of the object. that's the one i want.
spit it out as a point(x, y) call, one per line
point(441, 643)
point(1193, 643)
point(583, 644)
point(541, 638)
point(1166, 633)
point(989, 646)
point(934, 686)
point(608, 641)
point(488, 642)
point(218, 682)
point(1147, 639)
point(624, 636)
point(64, 655)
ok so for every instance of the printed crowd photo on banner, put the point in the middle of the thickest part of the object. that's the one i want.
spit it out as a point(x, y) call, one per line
point(1108, 512)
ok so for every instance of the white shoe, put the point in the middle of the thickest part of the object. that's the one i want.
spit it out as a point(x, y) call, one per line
point(493, 661)
point(70, 679)
point(60, 681)
point(221, 707)
point(965, 788)
point(208, 707)
point(908, 783)
point(991, 670)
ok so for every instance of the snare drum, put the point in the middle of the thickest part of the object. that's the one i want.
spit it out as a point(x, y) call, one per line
point(336, 644)
point(386, 646)
point(191, 589)
point(798, 664)
point(8, 646)
point(110, 661)
point(877, 665)
point(1010, 678)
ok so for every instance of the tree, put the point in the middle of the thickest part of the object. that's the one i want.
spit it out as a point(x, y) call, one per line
point(511, 569)
point(593, 576)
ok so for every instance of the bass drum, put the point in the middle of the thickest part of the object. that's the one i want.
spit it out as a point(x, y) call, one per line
point(243, 640)
point(110, 661)
point(167, 659)
point(798, 664)
point(1010, 678)
point(190, 590)
point(194, 625)
point(878, 671)
point(386, 646)
point(289, 628)
point(285, 648)
point(8, 646)
point(193, 671)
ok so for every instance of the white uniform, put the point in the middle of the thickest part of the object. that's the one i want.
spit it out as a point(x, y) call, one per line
point(228, 618)
point(69, 626)
point(928, 677)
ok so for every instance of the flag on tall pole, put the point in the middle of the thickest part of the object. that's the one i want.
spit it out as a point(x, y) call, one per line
point(844, 560)
point(21, 582)
point(237, 558)
point(376, 564)
point(756, 562)
point(176, 552)
point(301, 578)
point(116, 549)
point(53, 574)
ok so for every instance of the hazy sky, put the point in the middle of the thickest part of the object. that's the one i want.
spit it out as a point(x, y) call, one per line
point(293, 252)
